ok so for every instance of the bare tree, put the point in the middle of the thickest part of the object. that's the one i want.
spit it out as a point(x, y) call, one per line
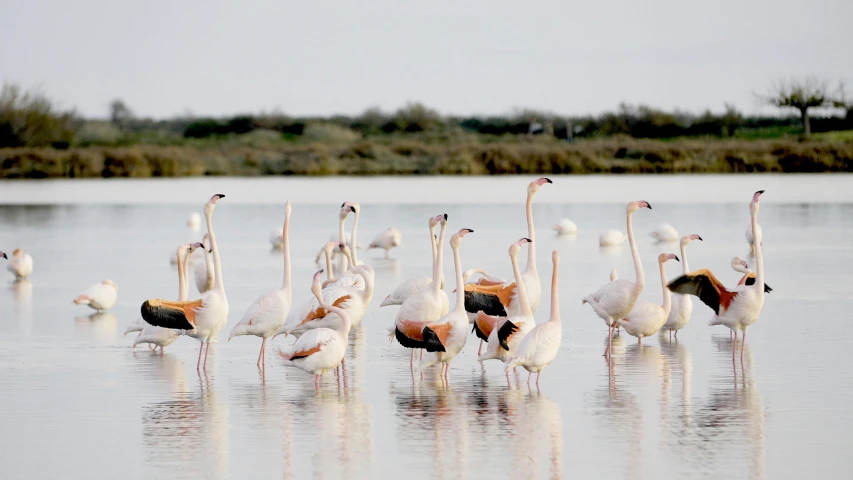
point(843, 100)
point(810, 92)
point(120, 113)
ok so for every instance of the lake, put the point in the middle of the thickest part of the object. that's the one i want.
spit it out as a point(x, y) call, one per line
point(76, 401)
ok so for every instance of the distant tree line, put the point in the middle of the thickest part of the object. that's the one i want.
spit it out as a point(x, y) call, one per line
point(30, 119)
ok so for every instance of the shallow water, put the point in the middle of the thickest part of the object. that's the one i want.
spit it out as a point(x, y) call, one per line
point(77, 402)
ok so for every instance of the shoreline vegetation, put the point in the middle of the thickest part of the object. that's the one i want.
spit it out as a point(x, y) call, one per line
point(38, 140)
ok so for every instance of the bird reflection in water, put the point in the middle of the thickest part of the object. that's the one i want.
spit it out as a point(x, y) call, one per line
point(22, 294)
point(99, 326)
point(539, 423)
point(188, 434)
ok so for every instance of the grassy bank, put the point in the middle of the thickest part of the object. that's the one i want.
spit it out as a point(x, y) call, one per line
point(401, 156)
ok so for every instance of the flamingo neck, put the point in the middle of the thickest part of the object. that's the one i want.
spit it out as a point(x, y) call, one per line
point(329, 273)
point(555, 297)
point(208, 262)
point(217, 262)
point(343, 234)
point(439, 261)
point(684, 268)
point(433, 244)
point(531, 234)
point(352, 239)
point(759, 257)
point(520, 287)
point(344, 328)
point(182, 276)
point(285, 238)
point(667, 298)
point(638, 265)
point(460, 282)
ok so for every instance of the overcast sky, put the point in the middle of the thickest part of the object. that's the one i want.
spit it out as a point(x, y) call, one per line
point(221, 57)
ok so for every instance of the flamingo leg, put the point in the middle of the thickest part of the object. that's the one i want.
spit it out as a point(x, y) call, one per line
point(200, 350)
point(734, 346)
point(206, 352)
point(529, 374)
point(639, 340)
point(609, 342)
point(670, 335)
point(676, 335)
point(412, 360)
point(422, 354)
point(317, 381)
point(480, 350)
point(538, 374)
point(161, 349)
point(730, 335)
point(261, 354)
point(742, 344)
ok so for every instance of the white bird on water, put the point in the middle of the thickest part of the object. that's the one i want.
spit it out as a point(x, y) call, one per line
point(194, 221)
point(611, 238)
point(386, 240)
point(100, 296)
point(21, 264)
point(566, 227)
point(665, 233)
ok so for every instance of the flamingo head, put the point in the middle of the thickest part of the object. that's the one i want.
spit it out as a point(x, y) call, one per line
point(195, 245)
point(663, 257)
point(535, 184)
point(211, 204)
point(17, 252)
point(110, 283)
point(689, 238)
point(433, 221)
point(753, 205)
point(346, 208)
point(330, 247)
point(740, 265)
point(441, 218)
point(3, 255)
point(317, 284)
point(456, 239)
point(555, 257)
point(634, 206)
point(515, 247)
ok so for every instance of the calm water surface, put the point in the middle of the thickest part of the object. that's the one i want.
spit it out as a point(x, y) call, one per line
point(76, 401)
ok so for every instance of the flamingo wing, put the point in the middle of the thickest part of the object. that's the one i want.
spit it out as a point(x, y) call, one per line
point(263, 308)
point(749, 279)
point(703, 284)
point(483, 325)
point(505, 332)
point(310, 343)
point(435, 336)
point(491, 299)
point(167, 314)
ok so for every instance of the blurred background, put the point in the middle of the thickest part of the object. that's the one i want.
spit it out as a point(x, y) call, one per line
point(95, 88)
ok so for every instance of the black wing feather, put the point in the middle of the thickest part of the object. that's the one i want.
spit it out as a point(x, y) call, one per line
point(699, 286)
point(507, 329)
point(751, 281)
point(165, 317)
point(433, 344)
point(408, 342)
point(490, 304)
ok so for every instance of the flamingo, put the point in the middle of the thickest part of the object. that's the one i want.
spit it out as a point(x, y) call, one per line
point(566, 227)
point(740, 265)
point(665, 233)
point(682, 305)
point(351, 277)
point(750, 239)
point(739, 307)
point(415, 284)
point(327, 252)
point(615, 299)
point(505, 334)
point(387, 240)
point(100, 296)
point(159, 336)
point(21, 264)
point(194, 221)
point(540, 346)
point(424, 306)
point(647, 318)
point(611, 238)
point(445, 338)
point(204, 279)
point(267, 314)
point(321, 349)
point(351, 298)
point(203, 318)
point(501, 299)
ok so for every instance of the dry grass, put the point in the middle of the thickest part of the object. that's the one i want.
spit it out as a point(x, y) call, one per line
point(407, 157)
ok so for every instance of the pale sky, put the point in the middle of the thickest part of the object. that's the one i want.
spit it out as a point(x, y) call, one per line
point(221, 57)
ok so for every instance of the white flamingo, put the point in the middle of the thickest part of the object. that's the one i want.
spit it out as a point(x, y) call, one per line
point(739, 307)
point(750, 238)
point(386, 240)
point(665, 233)
point(202, 318)
point(499, 300)
point(321, 349)
point(424, 306)
point(540, 346)
point(194, 221)
point(611, 238)
point(415, 284)
point(268, 312)
point(682, 305)
point(507, 333)
point(204, 277)
point(21, 264)
point(647, 318)
point(100, 296)
point(445, 338)
point(739, 265)
point(615, 299)
point(566, 227)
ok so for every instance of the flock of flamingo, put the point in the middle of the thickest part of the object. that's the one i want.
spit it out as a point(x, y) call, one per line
point(499, 312)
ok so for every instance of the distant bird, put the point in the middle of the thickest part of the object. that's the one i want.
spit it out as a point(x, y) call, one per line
point(665, 233)
point(267, 314)
point(21, 264)
point(615, 299)
point(320, 350)
point(202, 318)
point(647, 318)
point(540, 346)
point(387, 240)
point(611, 238)
point(566, 227)
point(682, 305)
point(736, 308)
point(194, 221)
point(100, 296)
